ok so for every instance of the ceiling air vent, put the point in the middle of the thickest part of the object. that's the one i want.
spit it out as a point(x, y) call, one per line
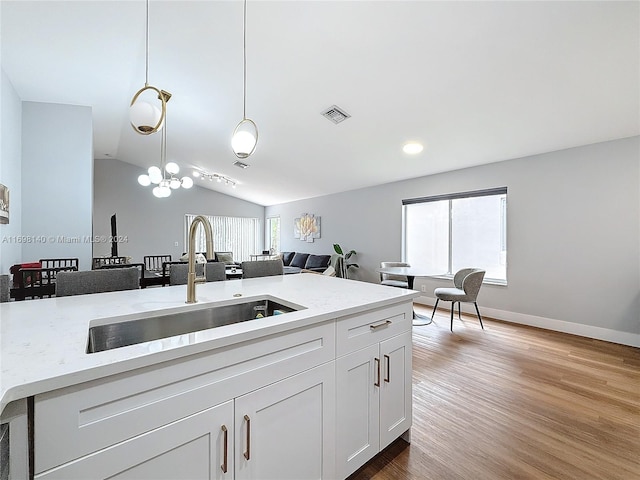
point(335, 114)
point(240, 164)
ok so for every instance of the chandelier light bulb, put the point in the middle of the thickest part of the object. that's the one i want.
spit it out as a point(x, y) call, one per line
point(174, 183)
point(172, 168)
point(155, 174)
point(144, 180)
point(186, 182)
point(157, 192)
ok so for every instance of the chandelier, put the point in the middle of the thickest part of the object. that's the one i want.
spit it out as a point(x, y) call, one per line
point(164, 177)
point(245, 135)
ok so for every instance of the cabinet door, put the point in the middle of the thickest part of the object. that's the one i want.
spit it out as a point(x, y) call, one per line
point(285, 431)
point(192, 447)
point(395, 388)
point(358, 396)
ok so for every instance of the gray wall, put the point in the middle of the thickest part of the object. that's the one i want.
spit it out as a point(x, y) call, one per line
point(57, 187)
point(152, 225)
point(10, 172)
point(573, 235)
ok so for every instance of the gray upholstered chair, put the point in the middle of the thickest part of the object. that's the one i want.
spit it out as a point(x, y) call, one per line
point(178, 272)
point(97, 281)
point(467, 283)
point(262, 268)
point(394, 280)
point(4, 288)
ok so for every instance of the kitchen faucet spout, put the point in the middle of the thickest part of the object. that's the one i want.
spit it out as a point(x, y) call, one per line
point(192, 278)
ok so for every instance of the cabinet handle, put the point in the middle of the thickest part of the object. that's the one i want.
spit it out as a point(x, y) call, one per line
point(247, 454)
point(377, 382)
point(388, 375)
point(384, 324)
point(226, 449)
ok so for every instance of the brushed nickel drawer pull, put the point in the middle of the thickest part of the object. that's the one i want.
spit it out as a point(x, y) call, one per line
point(226, 449)
point(375, 327)
point(377, 382)
point(387, 378)
point(247, 454)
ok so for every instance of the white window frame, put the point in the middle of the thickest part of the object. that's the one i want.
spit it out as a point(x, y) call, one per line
point(450, 198)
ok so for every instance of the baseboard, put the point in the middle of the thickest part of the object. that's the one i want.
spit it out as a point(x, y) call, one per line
point(599, 333)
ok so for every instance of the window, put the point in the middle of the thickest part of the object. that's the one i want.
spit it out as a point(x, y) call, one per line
point(445, 233)
point(273, 234)
point(230, 234)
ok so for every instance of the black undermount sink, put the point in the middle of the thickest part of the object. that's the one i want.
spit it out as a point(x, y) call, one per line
point(131, 332)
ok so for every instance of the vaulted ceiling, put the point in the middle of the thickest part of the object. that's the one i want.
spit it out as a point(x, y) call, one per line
point(475, 82)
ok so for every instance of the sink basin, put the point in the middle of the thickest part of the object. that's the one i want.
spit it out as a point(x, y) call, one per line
point(121, 334)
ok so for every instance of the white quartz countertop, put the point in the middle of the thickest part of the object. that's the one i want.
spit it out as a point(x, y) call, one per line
point(43, 342)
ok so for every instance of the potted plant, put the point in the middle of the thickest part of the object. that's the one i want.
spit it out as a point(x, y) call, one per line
point(345, 256)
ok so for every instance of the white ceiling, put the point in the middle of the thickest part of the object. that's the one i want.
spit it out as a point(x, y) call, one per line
point(476, 82)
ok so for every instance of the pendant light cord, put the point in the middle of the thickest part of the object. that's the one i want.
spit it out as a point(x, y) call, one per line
point(244, 62)
point(146, 50)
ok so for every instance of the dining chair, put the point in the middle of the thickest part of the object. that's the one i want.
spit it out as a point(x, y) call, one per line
point(4, 288)
point(262, 268)
point(391, 280)
point(153, 263)
point(98, 262)
point(97, 281)
point(178, 272)
point(467, 283)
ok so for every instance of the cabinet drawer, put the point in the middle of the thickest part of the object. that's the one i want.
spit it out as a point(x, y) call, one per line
point(359, 331)
point(75, 421)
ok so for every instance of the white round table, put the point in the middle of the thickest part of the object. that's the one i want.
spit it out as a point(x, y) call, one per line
point(411, 273)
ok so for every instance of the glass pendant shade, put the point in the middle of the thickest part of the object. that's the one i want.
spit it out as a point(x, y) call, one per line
point(245, 138)
point(155, 174)
point(144, 180)
point(145, 117)
point(187, 182)
point(172, 168)
point(174, 183)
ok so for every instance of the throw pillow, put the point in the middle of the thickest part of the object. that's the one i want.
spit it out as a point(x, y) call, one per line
point(318, 261)
point(225, 257)
point(299, 260)
point(287, 257)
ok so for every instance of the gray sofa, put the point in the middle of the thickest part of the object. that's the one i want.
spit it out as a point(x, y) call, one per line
point(294, 262)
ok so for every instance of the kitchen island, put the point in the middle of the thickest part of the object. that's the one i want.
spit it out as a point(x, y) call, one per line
point(313, 393)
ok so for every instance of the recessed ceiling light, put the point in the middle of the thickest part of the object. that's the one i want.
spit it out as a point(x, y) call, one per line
point(412, 148)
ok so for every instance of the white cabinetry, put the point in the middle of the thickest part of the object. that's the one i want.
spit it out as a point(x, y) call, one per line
point(166, 421)
point(193, 447)
point(286, 430)
point(312, 403)
point(373, 385)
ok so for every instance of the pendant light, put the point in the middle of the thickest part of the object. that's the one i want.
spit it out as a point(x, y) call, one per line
point(164, 177)
point(146, 118)
point(245, 135)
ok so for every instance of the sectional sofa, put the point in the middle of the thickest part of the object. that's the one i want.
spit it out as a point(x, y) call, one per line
point(294, 262)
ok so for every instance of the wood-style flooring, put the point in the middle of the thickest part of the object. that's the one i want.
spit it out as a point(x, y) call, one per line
point(516, 402)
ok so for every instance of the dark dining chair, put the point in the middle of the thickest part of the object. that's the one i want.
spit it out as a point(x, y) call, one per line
point(153, 263)
point(99, 262)
point(467, 283)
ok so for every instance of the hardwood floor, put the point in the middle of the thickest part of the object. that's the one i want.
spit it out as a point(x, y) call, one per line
point(516, 402)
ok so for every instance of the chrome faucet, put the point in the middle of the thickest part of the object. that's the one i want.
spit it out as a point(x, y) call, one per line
point(192, 279)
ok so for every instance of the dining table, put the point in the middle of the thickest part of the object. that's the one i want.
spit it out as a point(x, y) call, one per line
point(411, 273)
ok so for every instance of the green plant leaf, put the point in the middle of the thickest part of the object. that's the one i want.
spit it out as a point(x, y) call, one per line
point(337, 248)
